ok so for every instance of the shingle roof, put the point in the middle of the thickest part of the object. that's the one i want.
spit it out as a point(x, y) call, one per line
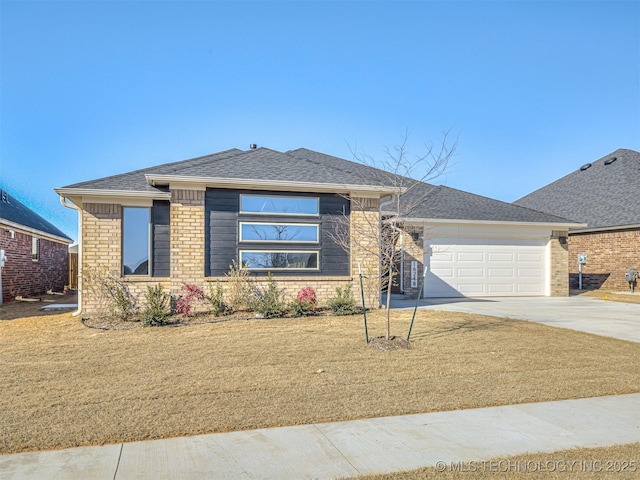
point(303, 165)
point(15, 211)
point(448, 203)
point(601, 195)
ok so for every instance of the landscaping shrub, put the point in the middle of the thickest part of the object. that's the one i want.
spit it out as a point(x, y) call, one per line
point(109, 292)
point(239, 284)
point(268, 301)
point(190, 294)
point(217, 306)
point(123, 305)
point(344, 303)
point(158, 308)
point(304, 304)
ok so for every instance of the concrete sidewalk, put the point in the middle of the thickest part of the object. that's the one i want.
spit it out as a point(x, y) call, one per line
point(345, 449)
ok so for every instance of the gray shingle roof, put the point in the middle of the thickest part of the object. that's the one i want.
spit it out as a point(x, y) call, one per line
point(13, 210)
point(307, 166)
point(600, 196)
point(448, 203)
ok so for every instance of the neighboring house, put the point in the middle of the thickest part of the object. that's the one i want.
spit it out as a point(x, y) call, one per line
point(604, 195)
point(185, 222)
point(36, 251)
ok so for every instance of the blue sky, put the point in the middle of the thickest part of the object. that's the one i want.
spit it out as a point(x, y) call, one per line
point(532, 89)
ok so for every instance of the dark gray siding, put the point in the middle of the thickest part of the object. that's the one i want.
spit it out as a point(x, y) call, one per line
point(221, 232)
point(160, 220)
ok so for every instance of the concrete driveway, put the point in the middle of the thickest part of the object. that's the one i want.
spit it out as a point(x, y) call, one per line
point(610, 319)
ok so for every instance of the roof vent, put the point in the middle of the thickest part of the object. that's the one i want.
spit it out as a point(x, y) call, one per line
point(609, 161)
point(253, 146)
point(5, 197)
point(584, 167)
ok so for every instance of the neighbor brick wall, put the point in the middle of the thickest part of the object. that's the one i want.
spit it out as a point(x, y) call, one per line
point(559, 264)
point(609, 254)
point(21, 276)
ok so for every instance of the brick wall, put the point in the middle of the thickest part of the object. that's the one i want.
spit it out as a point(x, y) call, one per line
point(21, 276)
point(365, 242)
point(101, 248)
point(187, 238)
point(413, 245)
point(609, 254)
point(559, 264)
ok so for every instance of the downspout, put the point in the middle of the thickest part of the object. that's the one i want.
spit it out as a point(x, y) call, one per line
point(73, 206)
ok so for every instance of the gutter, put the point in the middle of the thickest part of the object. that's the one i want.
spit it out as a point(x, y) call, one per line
point(65, 203)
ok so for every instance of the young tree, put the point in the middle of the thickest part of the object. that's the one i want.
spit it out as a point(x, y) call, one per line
point(406, 175)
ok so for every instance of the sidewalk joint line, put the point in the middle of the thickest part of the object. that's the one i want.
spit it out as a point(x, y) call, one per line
point(337, 449)
point(115, 474)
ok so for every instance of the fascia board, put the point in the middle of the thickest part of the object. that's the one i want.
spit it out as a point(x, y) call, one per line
point(553, 226)
point(34, 231)
point(374, 191)
point(112, 194)
point(604, 229)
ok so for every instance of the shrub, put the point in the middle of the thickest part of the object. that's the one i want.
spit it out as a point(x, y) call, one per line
point(110, 293)
point(123, 305)
point(304, 303)
point(158, 307)
point(268, 301)
point(190, 293)
point(307, 294)
point(344, 303)
point(239, 287)
point(216, 300)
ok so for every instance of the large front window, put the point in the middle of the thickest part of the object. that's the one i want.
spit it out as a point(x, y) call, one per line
point(277, 205)
point(279, 260)
point(278, 232)
point(135, 241)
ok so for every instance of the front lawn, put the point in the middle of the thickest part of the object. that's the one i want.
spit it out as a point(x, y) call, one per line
point(63, 384)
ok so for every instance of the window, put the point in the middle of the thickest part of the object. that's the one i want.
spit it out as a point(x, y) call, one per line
point(279, 232)
point(135, 241)
point(279, 260)
point(275, 205)
point(35, 249)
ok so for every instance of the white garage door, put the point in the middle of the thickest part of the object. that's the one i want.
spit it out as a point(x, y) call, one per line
point(481, 267)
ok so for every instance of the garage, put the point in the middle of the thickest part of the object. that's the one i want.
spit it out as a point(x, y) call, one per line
point(486, 266)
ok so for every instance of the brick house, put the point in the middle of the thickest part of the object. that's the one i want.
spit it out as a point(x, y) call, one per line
point(604, 195)
point(36, 251)
point(185, 222)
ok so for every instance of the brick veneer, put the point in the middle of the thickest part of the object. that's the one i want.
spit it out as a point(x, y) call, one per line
point(102, 245)
point(413, 251)
point(559, 264)
point(365, 242)
point(21, 276)
point(609, 254)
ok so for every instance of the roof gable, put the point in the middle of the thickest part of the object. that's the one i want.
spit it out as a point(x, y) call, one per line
point(602, 194)
point(12, 210)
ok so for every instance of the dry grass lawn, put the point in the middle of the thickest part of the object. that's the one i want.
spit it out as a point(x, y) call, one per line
point(607, 463)
point(623, 297)
point(66, 385)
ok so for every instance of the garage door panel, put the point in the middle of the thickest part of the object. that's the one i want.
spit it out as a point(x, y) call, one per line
point(486, 267)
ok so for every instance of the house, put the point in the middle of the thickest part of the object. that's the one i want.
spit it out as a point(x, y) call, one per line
point(604, 195)
point(36, 251)
point(185, 222)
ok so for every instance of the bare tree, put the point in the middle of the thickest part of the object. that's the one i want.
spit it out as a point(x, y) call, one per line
point(407, 176)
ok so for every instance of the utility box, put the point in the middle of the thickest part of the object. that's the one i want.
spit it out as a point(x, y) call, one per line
point(582, 259)
point(631, 276)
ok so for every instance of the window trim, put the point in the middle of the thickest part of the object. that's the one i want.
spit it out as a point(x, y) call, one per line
point(278, 242)
point(280, 269)
point(149, 243)
point(286, 214)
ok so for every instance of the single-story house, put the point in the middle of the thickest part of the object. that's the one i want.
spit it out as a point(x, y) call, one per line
point(35, 251)
point(604, 195)
point(185, 222)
